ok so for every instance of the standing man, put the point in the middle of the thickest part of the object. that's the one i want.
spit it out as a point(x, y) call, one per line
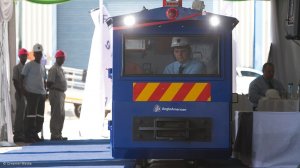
point(184, 64)
point(20, 98)
point(58, 85)
point(33, 82)
point(259, 86)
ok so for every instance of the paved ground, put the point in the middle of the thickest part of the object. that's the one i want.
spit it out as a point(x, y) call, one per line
point(71, 125)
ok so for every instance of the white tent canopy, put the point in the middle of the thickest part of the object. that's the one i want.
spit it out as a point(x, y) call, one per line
point(6, 13)
point(6, 10)
point(284, 53)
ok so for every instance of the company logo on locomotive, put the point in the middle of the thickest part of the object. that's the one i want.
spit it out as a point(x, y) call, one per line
point(157, 108)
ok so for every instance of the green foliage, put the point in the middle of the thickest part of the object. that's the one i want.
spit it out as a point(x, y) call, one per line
point(48, 1)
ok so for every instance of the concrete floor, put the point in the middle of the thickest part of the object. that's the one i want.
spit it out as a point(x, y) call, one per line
point(72, 124)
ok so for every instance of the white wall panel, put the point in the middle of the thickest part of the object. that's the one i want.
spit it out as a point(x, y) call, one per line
point(38, 26)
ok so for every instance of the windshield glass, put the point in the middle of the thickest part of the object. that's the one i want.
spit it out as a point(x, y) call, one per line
point(171, 55)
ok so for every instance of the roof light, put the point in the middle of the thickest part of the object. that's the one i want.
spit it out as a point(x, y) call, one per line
point(172, 13)
point(129, 20)
point(214, 21)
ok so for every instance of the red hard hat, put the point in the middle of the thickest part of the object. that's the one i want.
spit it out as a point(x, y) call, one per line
point(23, 51)
point(60, 54)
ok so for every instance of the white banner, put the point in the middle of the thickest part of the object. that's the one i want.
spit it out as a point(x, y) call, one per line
point(98, 86)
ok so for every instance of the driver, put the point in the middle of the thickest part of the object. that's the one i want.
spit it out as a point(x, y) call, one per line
point(184, 64)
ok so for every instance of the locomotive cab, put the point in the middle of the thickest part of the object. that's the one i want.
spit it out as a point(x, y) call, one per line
point(172, 84)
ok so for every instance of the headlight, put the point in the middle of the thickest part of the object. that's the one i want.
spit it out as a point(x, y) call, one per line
point(129, 20)
point(214, 21)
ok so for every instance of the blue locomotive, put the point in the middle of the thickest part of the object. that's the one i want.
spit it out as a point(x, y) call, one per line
point(172, 84)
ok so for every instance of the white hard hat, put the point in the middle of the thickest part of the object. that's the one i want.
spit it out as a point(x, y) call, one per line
point(37, 47)
point(179, 41)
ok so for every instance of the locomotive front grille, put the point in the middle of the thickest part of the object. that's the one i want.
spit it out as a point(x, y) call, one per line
point(172, 129)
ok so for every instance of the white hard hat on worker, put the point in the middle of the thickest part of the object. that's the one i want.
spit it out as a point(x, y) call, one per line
point(179, 42)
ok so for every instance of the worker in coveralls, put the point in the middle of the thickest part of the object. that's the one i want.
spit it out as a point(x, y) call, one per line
point(33, 80)
point(19, 97)
point(57, 85)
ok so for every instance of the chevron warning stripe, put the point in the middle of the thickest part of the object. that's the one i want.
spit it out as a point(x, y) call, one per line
point(168, 92)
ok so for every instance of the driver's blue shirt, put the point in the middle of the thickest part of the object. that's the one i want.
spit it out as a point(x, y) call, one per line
point(191, 67)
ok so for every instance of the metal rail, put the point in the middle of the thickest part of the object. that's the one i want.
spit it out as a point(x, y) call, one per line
point(75, 78)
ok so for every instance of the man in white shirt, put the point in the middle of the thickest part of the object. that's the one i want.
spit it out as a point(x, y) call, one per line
point(33, 80)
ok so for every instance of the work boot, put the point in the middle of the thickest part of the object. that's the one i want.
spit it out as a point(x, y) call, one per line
point(37, 138)
point(29, 140)
point(58, 138)
point(19, 138)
